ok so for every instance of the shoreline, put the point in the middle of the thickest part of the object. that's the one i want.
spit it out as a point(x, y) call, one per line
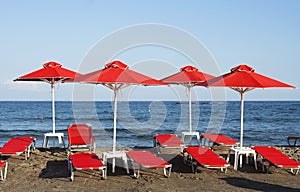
point(46, 170)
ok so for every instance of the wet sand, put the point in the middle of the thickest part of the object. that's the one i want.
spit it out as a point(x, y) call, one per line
point(46, 170)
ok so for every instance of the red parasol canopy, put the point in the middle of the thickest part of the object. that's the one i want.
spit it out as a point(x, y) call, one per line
point(51, 73)
point(242, 79)
point(244, 76)
point(188, 77)
point(117, 75)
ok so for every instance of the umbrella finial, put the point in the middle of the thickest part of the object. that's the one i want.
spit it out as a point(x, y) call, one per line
point(242, 68)
point(116, 64)
point(51, 64)
point(189, 68)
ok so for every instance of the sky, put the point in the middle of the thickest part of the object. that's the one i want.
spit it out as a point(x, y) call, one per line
point(262, 34)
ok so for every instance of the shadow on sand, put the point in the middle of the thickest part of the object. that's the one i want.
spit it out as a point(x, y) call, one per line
point(55, 169)
point(256, 185)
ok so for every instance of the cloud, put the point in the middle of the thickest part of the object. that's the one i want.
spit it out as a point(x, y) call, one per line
point(24, 86)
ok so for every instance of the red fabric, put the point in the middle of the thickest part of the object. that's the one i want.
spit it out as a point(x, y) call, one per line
point(219, 139)
point(276, 157)
point(86, 161)
point(205, 156)
point(168, 140)
point(117, 72)
point(50, 71)
point(188, 74)
point(147, 159)
point(80, 134)
point(244, 76)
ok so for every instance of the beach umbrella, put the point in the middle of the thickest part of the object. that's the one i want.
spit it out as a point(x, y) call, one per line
point(188, 76)
point(51, 73)
point(116, 75)
point(242, 79)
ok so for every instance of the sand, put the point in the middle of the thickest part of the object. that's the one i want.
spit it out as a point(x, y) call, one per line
point(46, 170)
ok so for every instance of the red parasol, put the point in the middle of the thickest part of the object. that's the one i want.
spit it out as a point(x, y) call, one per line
point(243, 79)
point(51, 73)
point(188, 77)
point(116, 75)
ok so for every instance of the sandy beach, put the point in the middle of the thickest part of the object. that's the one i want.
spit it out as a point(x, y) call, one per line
point(46, 170)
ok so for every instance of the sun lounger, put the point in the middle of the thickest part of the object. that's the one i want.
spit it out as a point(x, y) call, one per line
point(80, 137)
point(217, 139)
point(146, 159)
point(205, 157)
point(17, 146)
point(167, 141)
point(277, 158)
point(3, 169)
point(85, 162)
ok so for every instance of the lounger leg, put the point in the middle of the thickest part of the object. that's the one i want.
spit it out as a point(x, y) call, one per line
point(241, 159)
point(296, 171)
point(269, 167)
point(70, 169)
point(113, 164)
point(196, 167)
point(262, 165)
point(136, 173)
point(125, 162)
point(71, 174)
point(6, 168)
point(255, 162)
point(235, 160)
point(167, 171)
point(104, 173)
point(34, 145)
point(28, 151)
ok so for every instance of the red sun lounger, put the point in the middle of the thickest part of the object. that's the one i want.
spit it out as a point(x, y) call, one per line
point(17, 146)
point(80, 137)
point(3, 169)
point(277, 158)
point(205, 157)
point(167, 141)
point(217, 139)
point(146, 159)
point(84, 162)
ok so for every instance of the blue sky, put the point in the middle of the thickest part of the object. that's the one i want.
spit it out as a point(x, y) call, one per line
point(263, 34)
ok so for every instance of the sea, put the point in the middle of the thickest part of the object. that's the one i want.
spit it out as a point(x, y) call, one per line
point(265, 122)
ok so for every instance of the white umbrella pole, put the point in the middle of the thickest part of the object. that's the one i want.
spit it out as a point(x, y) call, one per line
point(242, 119)
point(190, 108)
point(115, 131)
point(115, 122)
point(53, 109)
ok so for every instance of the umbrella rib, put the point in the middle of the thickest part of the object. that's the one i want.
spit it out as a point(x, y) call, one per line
point(115, 86)
point(241, 89)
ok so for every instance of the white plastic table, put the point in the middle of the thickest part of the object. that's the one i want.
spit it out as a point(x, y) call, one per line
point(191, 134)
point(59, 136)
point(113, 155)
point(238, 154)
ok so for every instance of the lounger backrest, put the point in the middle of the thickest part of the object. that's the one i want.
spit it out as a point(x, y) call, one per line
point(220, 139)
point(168, 140)
point(80, 134)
